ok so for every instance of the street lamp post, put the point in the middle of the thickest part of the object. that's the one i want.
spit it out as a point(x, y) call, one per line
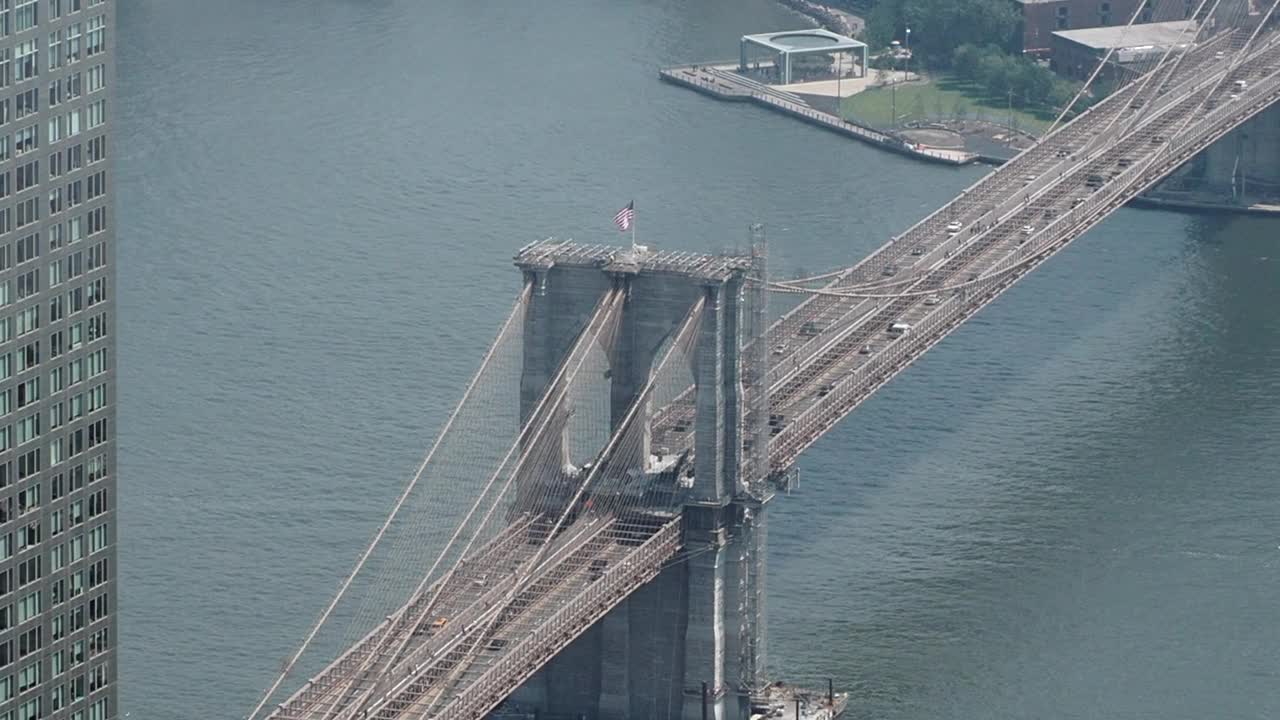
point(908, 50)
point(893, 90)
point(839, 74)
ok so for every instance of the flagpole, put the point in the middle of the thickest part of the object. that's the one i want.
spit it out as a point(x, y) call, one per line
point(633, 225)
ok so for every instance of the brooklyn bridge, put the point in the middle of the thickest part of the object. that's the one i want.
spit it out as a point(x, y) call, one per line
point(591, 523)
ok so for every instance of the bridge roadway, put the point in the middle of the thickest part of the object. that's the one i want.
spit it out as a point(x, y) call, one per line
point(1056, 194)
point(493, 626)
point(488, 632)
point(826, 325)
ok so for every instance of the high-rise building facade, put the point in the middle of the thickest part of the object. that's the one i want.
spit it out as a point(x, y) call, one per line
point(57, 362)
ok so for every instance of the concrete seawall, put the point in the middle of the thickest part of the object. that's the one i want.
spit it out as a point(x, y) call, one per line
point(723, 85)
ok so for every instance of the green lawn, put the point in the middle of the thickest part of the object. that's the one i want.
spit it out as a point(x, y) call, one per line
point(937, 97)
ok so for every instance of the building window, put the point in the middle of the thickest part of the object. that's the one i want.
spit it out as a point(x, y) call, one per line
point(28, 212)
point(27, 176)
point(97, 113)
point(73, 43)
point(26, 14)
point(55, 50)
point(96, 37)
point(97, 78)
point(26, 140)
point(26, 103)
point(26, 58)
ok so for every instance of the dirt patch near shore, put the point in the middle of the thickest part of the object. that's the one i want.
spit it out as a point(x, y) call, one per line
point(935, 138)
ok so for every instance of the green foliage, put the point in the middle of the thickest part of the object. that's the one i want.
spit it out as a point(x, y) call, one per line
point(883, 23)
point(938, 27)
point(1015, 80)
point(874, 106)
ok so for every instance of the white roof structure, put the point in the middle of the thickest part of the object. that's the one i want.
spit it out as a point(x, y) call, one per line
point(1161, 35)
point(799, 42)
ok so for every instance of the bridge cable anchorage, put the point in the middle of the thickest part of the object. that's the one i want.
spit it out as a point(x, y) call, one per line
point(620, 459)
point(540, 418)
point(364, 557)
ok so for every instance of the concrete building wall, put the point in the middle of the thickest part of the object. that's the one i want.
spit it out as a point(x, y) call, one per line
point(1073, 60)
point(58, 569)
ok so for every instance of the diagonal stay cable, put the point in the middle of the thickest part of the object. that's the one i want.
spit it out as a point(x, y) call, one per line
point(395, 510)
point(537, 417)
point(691, 321)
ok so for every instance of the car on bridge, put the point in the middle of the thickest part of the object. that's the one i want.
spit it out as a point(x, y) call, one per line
point(899, 328)
point(953, 227)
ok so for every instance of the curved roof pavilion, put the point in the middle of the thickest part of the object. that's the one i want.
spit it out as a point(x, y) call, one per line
point(787, 43)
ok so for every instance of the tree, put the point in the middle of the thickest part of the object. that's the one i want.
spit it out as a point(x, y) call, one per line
point(994, 73)
point(964, 60)
point(883, 22)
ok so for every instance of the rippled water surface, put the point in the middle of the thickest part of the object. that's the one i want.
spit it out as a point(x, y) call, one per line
point(1069, 509)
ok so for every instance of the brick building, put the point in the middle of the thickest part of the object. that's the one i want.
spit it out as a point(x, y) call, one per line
point(1042, 18)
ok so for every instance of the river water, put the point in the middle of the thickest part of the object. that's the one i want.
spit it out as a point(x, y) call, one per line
point(1069, 509)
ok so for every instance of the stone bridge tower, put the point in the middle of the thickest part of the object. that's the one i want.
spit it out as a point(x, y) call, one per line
point(693, 640)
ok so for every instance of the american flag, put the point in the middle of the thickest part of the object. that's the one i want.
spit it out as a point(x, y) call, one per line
point(625, 217)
